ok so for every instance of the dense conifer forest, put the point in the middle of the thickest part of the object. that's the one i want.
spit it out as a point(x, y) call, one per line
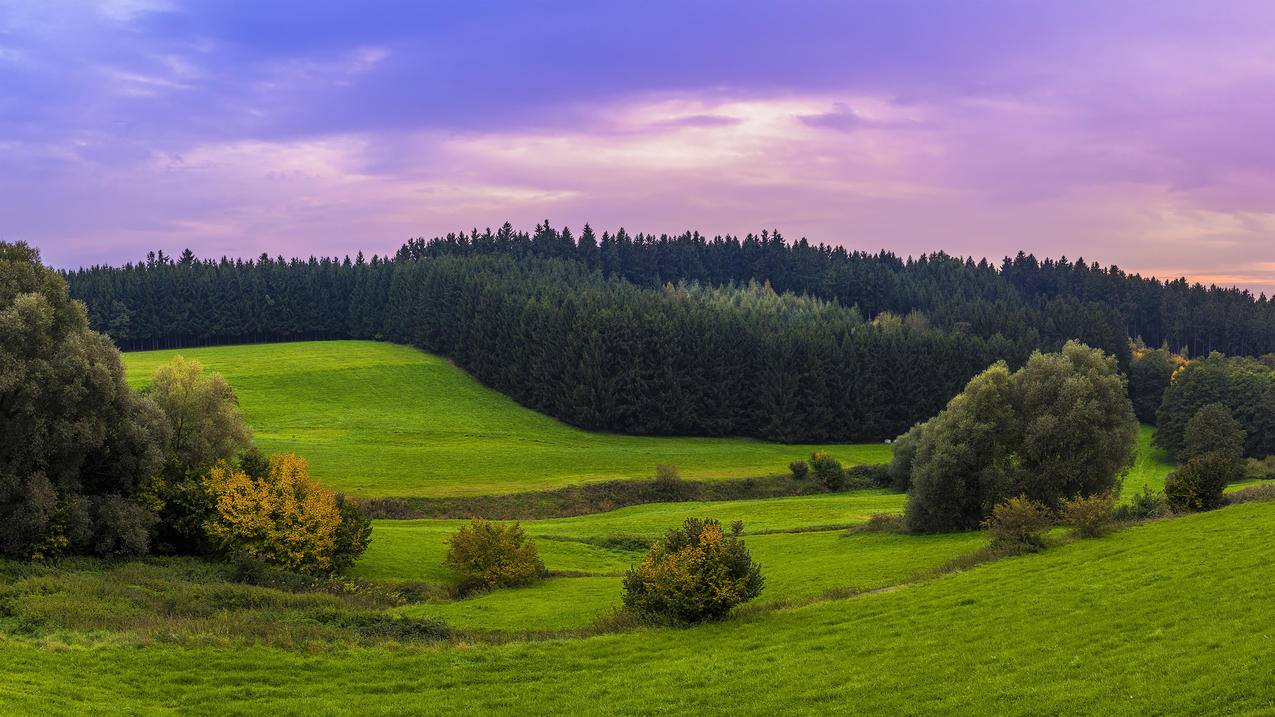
point(681, 335)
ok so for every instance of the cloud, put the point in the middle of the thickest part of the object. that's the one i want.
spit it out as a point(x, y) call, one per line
point(1086, 128)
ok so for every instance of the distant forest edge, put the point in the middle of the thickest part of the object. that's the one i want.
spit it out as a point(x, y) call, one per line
point(681, 335)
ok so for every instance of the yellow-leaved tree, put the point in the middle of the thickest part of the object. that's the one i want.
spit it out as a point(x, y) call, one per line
point(280, 516)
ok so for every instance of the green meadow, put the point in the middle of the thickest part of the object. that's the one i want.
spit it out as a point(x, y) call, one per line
point(1168, 617)
point(376, 419)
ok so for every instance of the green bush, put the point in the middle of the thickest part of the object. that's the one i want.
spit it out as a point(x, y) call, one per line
point(799, 469)
point(1089, 516)
point(1018, 525)
point(1199, 484)
point(1263, 469)
point(868, 476)
point(881, 523)
point(827, 470)
point(694, 573)
point(1146, 505)
point(669, 484)
point(491, 555)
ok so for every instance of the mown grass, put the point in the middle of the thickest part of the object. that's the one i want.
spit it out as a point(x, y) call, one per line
point(377, 419)
point(1171, 617)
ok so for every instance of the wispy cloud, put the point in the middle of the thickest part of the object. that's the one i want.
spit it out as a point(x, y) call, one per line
point(1125, 134)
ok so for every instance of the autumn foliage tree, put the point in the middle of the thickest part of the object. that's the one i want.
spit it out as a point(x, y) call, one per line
point(282, 517)
point(493, 555)
point(697, 572)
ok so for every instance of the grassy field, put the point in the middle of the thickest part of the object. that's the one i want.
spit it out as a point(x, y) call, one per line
point(1167, 618)
point(1149, 469)
point(377, 419)
point(803, 551)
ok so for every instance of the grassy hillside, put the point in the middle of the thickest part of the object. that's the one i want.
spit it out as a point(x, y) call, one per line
point(1167, 618)
point(377, 419)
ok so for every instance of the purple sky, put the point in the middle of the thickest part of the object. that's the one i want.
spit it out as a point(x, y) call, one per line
point(1136, 133)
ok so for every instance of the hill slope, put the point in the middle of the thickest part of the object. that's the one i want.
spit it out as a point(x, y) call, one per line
point(1166, 618)
point(377, 419)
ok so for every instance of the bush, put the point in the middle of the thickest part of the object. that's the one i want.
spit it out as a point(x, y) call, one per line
point(1090, 516)
point(283, 518)
point(1018, 525)
point(1263, 469)
point(695, 573)
point(1199, 484)
point(799, 469)
point(493, 555)
point(669, 484)
point(1146, 505)
point(827, 471)
point(868, 476)
point(881, 523)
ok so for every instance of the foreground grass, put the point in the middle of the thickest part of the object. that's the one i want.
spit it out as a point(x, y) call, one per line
point(1172, 617)
point(377, 419)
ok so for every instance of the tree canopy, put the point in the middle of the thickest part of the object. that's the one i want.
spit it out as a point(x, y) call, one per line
point(1059, 427)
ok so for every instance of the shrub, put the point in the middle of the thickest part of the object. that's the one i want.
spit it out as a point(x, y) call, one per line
point(696, 572)
point(1089, 516)
point(669, 484)
point(1199, 484)
point(493, 555)
point(827, 470)
point(870, 475)
point(1146, 505)
point(1018, 525)
point(1263, 469)
point(882, 523)
point(283, 518)
point(799, 469)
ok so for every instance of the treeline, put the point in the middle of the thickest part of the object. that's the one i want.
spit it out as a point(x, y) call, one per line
point(1022, 294)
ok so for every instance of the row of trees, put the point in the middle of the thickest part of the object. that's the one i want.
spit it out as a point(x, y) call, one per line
point(88, 465)
point(1009, 299)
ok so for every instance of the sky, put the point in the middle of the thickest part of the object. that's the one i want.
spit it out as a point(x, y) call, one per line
point(1129, 133)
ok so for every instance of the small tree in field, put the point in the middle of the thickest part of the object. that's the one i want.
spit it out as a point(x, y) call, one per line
point(282, 517)
point(695, 573)
point(827, 470)
point(1089, 516)
point(1018, 525)
point(492, 555)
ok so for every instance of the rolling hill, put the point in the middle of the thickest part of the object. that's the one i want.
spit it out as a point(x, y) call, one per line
point(377, 419)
